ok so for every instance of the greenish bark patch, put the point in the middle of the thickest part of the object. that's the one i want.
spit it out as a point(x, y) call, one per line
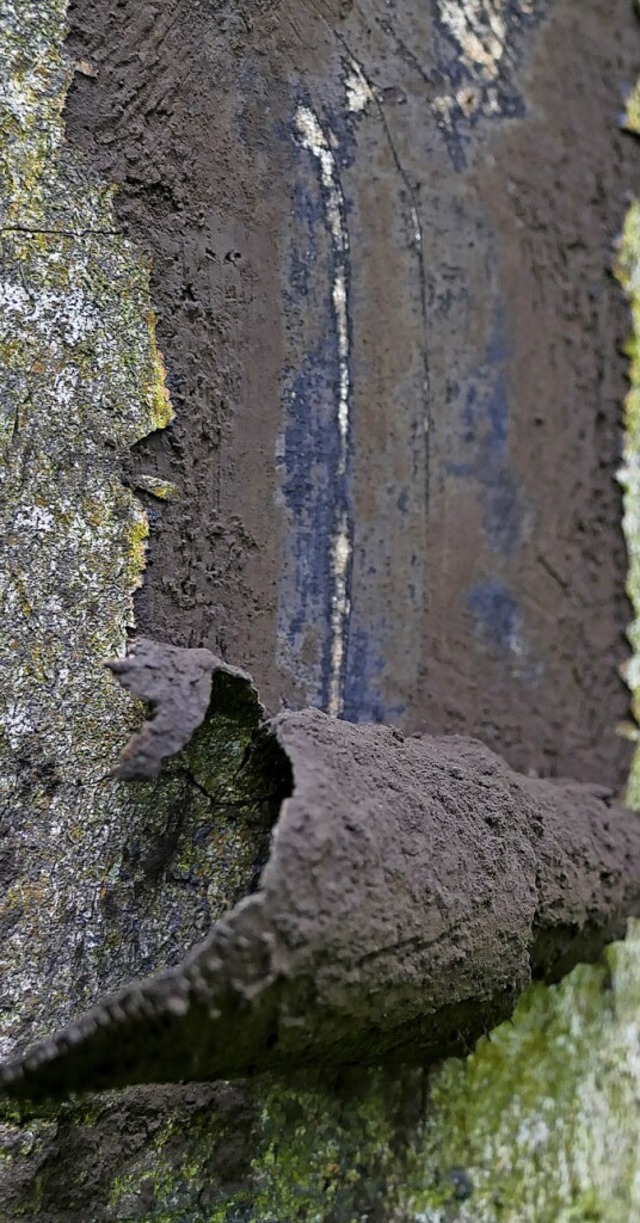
point(542, 1117)
point(81, 382)
point(539, 1123)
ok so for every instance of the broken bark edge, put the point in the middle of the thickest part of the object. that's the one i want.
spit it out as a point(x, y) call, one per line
point(176, 682)
point(413, 889)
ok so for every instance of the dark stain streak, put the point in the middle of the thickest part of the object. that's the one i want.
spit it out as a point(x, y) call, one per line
point(434, 82)
point(216, 804)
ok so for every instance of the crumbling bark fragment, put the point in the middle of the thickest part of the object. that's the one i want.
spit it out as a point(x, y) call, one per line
point(413, 889)
point(178, 683)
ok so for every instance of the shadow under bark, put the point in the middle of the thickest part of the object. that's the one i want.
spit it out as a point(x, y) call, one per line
point(413, 888)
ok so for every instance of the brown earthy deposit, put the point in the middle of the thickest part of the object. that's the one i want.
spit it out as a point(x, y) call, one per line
point(413, 888)
point(475, 490)
point(380, 280)
point(382, 297)
point(178, 682)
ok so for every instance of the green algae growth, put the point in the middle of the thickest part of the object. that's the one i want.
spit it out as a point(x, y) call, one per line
point(541, 1122)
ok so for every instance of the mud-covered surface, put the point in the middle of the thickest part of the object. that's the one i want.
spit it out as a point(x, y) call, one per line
point(177, 682)
point(412, 889)
point(468, 578)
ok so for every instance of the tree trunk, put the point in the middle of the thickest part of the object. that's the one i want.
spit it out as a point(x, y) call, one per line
point(378, 474)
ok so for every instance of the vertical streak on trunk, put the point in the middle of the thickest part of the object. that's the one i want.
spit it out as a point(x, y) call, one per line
point(319, 145)
point(627, 270)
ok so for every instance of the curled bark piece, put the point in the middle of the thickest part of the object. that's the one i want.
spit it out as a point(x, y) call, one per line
point(414, 886)
point(178, 683)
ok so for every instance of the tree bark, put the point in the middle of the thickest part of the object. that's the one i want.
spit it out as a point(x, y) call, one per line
point(412, 890)
point(378, 475)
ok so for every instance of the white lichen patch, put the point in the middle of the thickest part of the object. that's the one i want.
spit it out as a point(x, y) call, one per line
point(479, 28)
point(313, 138)
point(80, 382)
point(480, 31)
point(358, 90)
point(33, 78)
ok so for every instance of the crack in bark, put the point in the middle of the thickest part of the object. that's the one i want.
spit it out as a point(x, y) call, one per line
point(419, 246)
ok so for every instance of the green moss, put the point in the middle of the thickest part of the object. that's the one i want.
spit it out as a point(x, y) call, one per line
point(628, 273)
point(168, 1169)
point(542, 1118)
point(156, 393)
point(333, 1152)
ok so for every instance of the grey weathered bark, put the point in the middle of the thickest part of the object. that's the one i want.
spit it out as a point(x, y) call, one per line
point(378, 235)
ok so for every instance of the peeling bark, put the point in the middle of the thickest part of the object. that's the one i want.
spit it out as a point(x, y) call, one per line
point(413, 889)
point(178, 682)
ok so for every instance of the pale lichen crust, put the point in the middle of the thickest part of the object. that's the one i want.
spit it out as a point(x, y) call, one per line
point(81, 382)
point(627, 270)
point(484, 35)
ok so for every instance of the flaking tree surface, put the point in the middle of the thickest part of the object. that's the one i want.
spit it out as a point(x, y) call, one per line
point(370, 480)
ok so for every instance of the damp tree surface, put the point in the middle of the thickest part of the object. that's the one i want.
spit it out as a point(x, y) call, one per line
point(412, 889)
point(312, 429)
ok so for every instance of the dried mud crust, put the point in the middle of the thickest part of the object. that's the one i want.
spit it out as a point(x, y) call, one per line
point(498, 609)
point(412, 890)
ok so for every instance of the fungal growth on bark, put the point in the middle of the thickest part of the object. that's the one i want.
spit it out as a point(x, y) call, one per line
point(413, 888)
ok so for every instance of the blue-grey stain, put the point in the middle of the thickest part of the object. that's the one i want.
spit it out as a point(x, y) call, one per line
point(316, 468)
point(317, 493)
point(364, 700)
point(497, 96)
point(483, 446)
point(497, 617)
point(311, 456)
point(483, 450)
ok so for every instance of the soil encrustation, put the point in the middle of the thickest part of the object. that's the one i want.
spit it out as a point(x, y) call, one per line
point(486, 569)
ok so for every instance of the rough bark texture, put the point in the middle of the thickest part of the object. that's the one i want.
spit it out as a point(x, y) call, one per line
point(413, 888)
point(435, 187)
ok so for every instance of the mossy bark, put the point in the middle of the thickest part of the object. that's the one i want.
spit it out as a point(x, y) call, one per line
point(538, 1123)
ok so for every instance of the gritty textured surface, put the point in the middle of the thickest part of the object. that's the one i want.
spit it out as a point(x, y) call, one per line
point(177, 683)
point(266, 1152)
point(413, 887)
point(627, 269)
point(81, 382)
point(463, 220)
point(536, 1126)
point(339, 1151)
point(97, 881)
